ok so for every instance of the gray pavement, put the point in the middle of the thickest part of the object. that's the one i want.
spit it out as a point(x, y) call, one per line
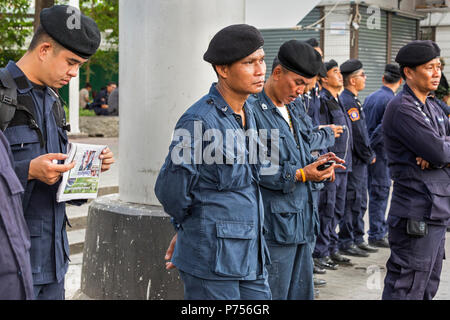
point(363, 281)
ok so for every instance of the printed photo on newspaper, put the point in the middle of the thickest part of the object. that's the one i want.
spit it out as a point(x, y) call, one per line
point(82, 181)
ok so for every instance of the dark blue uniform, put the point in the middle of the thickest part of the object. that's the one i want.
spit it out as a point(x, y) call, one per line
point(332, 196)
point(379, 180)
point(216, 205)
point(311, 101)
point(100, 99)
point(15, 269)
point(290, 214)
point(413, 129)
point(352, 226)
point(45, 217)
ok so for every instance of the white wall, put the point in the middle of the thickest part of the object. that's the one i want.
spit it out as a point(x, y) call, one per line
point(337, 46)
point(443, 40)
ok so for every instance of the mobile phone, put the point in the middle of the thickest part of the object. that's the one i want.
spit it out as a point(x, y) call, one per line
point(325, 165)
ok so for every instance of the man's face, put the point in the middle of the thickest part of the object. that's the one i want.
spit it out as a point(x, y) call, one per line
point(359, 80)
point(426, 77)
point(111, 87)
point(60, 66)
point(246, 76)
point(311, 85)
point(290, 85)
point(334, 78)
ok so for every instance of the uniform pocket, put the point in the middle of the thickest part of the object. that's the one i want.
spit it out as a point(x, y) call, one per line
point(234, 240)
point(35, 227)
point(287, 221)
point(24, 142)
point(440, 197)
point(11, 180)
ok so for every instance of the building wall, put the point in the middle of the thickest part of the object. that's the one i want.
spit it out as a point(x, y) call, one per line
point(337, 42)
point(443, 40)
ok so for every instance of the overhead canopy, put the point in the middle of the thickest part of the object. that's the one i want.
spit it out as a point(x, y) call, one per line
point(269, 14)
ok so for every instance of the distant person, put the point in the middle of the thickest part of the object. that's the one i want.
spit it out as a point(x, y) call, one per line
point(113, 102)
point(443, 90)
point(100, 104)
point(84, 96)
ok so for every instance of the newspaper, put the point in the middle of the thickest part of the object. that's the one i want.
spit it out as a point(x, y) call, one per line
point(82, 181)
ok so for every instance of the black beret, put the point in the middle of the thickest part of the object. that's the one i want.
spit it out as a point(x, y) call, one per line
point(299, 57)
point(392, 70)
point(351, 66)
point(322, 70)
point(313, 42)
point(417, 52)
point(330, 64)
point(71, 29)
point(233, 43)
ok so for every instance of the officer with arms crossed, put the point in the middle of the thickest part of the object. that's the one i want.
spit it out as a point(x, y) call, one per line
point(415, 127)
point(216, 204)
point(290, 217)
point(37, 135)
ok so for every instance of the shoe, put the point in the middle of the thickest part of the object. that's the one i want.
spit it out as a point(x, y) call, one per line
point(330, 261)
point(319, 270)
point(319, 282)
point(316, 293)
point(448, 229)
point(339, 259)
point(366, 247)
point(382, 243)
point(354, 251)
point(322, 263)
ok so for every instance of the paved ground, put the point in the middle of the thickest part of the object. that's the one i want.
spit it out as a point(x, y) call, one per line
point(363, 281)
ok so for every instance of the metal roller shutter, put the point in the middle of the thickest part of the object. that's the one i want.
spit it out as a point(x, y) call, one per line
point(372, 49)
point(403, 31)
point(274, 38)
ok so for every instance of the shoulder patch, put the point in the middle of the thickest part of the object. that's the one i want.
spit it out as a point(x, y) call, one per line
point(353, 113)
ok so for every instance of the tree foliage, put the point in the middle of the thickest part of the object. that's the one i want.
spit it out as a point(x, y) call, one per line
point(15, 26)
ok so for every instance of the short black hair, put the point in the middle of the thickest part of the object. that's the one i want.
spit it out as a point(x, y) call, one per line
point(41, 36)
point(111, 83)
point(313, 42)
point(402, 72)
point(88, 85)
point(389, 78)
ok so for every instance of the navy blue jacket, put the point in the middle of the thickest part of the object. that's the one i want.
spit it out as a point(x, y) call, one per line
point(413, 129)
point(45, 217)
point(216, 203)
point(374, 107)
point(311, 101)
point(15, 268)
point(290, 213)
point(362, 151)
point(332, 112)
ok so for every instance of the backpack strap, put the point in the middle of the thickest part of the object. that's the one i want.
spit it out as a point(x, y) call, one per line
point(8, 98)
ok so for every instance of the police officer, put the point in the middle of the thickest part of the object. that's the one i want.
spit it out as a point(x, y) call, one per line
point(216, 203)
point(332, 196)
point(38, 139)
point(351, 228)
point(379, 181)
point(415, 127)
point(290, 216)
point(15, 268)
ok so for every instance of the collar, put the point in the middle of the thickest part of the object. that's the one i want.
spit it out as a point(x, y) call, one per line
point(350, 93)
point(408, 90)
point(23, 84)
point(219, 102)
point(387, 89)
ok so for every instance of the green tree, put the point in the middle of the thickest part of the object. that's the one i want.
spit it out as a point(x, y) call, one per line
point(15, 26)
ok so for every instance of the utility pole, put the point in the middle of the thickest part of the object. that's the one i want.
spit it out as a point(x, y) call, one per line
point(38, 6)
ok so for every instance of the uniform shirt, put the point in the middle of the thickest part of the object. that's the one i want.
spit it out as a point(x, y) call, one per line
point(362, 151)
point(15, 268)
point(288, 204)
point(216, 205)
point(374, 107)
point(311, 101)
point(45, 217)
point(332, 112)
point(412, 129)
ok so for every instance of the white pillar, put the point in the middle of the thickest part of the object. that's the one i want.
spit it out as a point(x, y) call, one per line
point(74, 98)
point(161, 74)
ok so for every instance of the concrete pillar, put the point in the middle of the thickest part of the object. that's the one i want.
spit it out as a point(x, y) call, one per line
point(161, 74)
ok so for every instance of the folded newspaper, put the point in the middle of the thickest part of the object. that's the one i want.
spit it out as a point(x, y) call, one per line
point(82, 181)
